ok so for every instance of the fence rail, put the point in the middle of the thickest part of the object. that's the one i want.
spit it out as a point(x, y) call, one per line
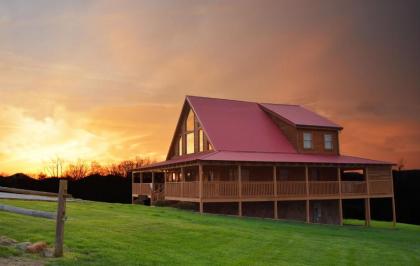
point(60, 215)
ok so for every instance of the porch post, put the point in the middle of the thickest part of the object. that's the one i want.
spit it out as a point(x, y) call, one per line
point(340, 200)
point(307, 193)
point(240, 190)
point(367, 211)
point(367, 200)
point(276, 215)
point(141, 177)
point(394, 214)
point(152, 188)
point(200, 185)
point(182, 180)
point(132, 186)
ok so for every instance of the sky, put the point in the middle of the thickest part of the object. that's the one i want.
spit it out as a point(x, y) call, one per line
point(106, 80)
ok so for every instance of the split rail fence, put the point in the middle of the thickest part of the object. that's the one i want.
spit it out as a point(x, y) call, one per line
point(59, 216)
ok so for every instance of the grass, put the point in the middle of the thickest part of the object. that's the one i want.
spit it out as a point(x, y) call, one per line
point(117, 234)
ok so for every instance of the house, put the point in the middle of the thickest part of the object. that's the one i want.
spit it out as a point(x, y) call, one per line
point(267, 160)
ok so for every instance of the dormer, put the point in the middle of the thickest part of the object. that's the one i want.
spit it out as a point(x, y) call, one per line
point(307, 131)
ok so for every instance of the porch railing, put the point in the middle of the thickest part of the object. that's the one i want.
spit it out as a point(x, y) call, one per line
point(353, 187)
point(323, 188)
point(220, 189)
point(142, 188)
point(257, 189)
point(291, 189)
point(285, 189)
point(182, 189)
point(378, 187)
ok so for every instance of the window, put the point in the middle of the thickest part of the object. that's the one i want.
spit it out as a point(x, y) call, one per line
point(307, 140)
point(190, 121)
point(190, 143)
point(180, 146)
point(200, 140)
point(328, 142)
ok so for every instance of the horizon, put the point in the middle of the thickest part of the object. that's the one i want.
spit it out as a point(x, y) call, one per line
point(105, 81)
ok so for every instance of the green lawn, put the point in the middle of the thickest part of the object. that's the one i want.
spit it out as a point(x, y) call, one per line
point(117, 234)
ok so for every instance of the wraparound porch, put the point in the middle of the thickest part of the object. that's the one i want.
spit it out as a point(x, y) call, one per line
point(239, 183)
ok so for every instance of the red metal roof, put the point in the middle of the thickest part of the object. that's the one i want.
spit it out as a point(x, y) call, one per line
point(287, 158)
point(238, 126)
point(299, 116)
point(242, 131)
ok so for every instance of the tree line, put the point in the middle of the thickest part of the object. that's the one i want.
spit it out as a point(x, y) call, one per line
point(79, 169)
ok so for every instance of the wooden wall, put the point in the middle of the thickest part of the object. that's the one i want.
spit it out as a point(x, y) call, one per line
point(380, 172)
point(295, 136)
point(318, 141)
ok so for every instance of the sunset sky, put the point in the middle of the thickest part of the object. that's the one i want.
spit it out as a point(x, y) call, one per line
point(105, 80)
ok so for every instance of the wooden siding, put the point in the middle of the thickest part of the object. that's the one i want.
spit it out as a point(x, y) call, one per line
point(318, 141)
point(295, 136)
point(380, 180)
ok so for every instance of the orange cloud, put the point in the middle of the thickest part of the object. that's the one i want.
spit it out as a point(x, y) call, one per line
point(106, 80)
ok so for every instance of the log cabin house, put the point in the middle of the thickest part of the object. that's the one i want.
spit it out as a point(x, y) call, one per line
point(267, 160)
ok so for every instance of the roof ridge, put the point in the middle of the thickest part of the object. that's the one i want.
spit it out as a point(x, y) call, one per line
point(244, 101)
point(223, 99)
point(288, 104)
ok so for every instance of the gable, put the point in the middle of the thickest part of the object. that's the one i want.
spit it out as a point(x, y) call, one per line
point(189, 136)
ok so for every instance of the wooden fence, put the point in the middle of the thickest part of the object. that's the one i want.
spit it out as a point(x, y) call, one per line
point(59, 216)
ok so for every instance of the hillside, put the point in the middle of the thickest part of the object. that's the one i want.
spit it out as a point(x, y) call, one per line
point(117, 234)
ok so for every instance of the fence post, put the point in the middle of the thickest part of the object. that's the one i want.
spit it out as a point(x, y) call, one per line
point(61, 213)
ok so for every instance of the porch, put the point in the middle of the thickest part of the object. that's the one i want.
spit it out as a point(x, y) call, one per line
point(223, 183)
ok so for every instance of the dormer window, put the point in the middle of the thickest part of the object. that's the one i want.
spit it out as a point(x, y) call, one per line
point(328, 142)
point(307, 140)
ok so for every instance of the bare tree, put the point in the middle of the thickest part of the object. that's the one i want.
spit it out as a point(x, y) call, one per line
point(139, 161)
point(42, 175)
point(114, 169)
point(97, 169)
point(54, 168)
point(77, 170)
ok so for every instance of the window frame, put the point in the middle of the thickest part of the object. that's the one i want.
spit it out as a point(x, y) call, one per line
point(329, 141)
point(304, 141)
